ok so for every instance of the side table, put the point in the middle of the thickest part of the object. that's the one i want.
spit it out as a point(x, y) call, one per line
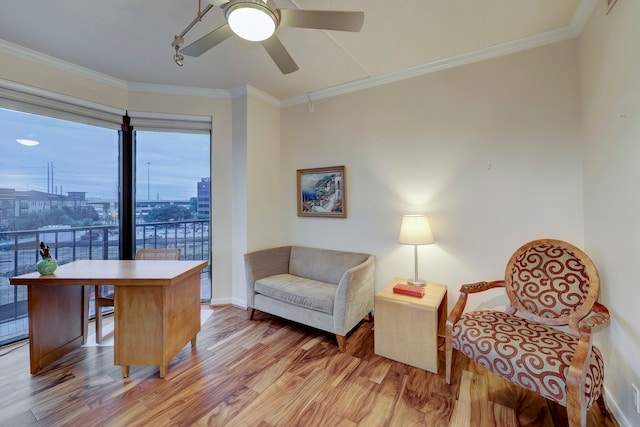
point(407, 328)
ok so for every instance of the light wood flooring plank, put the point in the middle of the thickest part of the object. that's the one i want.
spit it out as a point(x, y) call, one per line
point(265, 372)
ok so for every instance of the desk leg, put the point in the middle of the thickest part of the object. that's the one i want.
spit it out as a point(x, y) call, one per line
point(125, 371)
point(57, 323)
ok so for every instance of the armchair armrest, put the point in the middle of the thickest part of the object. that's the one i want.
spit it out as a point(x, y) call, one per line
point(473, 288)
point(456, 313)
point(597, 319)
point(354, 295)
point(465, 290)
point(576, 376)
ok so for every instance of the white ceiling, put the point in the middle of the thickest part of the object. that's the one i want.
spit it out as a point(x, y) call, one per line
point(130, 40)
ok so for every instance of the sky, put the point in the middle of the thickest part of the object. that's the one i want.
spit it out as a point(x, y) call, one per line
point(85, 158)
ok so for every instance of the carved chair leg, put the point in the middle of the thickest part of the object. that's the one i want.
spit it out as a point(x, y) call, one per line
point(98, 320)
point(250, 312)
point(342, 342)
point(449, 357)
point(98, 314)
point(576, 411)
point(602, 405)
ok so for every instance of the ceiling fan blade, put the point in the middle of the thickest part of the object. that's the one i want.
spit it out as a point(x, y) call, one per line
point(322, 19)
point(279, 54)
point(208, 41)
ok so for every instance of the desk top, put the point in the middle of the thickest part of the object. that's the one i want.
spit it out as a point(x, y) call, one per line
point(113, 272)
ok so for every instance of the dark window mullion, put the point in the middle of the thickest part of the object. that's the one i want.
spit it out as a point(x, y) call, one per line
point(127, 197)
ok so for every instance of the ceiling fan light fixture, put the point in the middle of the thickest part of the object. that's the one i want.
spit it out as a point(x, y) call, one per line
point(251, 20)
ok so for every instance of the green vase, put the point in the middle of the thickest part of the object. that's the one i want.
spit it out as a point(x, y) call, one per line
point(47, 266)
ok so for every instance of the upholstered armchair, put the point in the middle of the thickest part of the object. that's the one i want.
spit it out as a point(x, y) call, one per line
point(543, 341)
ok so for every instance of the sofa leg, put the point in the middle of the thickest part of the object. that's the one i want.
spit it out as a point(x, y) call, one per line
point(342, 342)
point(250, 312)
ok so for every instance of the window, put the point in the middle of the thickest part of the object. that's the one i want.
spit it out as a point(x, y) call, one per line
point(60, 185)
point(172, 211)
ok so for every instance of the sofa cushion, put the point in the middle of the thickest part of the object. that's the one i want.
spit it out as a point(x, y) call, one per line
point(299, 291)
point(324, 265)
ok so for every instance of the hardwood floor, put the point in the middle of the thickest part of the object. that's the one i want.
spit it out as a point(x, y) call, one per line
point(265, 372)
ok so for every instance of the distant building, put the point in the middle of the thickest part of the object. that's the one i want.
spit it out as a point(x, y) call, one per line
point(204, 198)
point(7, 208)
point(14, 204)
point(76, 199)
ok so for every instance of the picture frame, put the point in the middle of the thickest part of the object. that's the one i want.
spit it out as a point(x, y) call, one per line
point(322, 192)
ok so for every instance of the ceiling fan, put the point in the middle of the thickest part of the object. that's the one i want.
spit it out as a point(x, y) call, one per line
point(257, 20)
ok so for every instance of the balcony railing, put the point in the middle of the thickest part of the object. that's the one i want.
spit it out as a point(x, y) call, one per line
point(19, 254)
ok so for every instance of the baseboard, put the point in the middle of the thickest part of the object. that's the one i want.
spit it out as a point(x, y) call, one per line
point(229, 301)
point(239, 302)
point(615, 410)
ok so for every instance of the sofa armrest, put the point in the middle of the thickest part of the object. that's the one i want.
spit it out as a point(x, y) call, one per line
point(264, 263)
point(354, 296)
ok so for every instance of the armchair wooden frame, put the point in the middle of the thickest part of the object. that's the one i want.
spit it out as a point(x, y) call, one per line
point(582, 318)
point(108, 300)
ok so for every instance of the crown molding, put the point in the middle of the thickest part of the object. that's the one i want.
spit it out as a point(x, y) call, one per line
point(501, 49)
point(41, 58)
point(179, 90)
point(578, 22)
point(255, 93)
point(581, 16)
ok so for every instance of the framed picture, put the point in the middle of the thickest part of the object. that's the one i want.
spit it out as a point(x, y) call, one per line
point(322, 192)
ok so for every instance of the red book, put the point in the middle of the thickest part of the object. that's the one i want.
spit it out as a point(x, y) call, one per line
point(414, 291)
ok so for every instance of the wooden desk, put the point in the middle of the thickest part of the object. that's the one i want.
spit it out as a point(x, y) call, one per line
point(157, 309)
point(407, 328)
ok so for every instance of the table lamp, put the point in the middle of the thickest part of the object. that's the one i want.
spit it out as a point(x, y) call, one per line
point(415, 230)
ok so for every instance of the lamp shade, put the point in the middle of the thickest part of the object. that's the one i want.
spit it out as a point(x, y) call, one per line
point(415, 230)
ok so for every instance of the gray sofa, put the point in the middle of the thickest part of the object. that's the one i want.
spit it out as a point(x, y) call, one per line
point(325, 289)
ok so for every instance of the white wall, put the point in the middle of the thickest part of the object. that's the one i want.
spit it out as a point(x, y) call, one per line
point(610, 110)
point(263, 174)
point(489, 150)
point(256, 179)
point(239, 199)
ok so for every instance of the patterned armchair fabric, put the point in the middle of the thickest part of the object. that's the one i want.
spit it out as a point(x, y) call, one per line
point(550, 284)
point(534, 356)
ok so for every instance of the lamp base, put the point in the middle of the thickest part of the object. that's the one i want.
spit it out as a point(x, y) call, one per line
point(416, 282)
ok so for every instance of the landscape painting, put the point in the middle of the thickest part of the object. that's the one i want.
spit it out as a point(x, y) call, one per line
point(322, 192)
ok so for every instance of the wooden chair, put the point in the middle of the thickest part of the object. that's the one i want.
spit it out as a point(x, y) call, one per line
point(104, 294)
point(550, 284)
